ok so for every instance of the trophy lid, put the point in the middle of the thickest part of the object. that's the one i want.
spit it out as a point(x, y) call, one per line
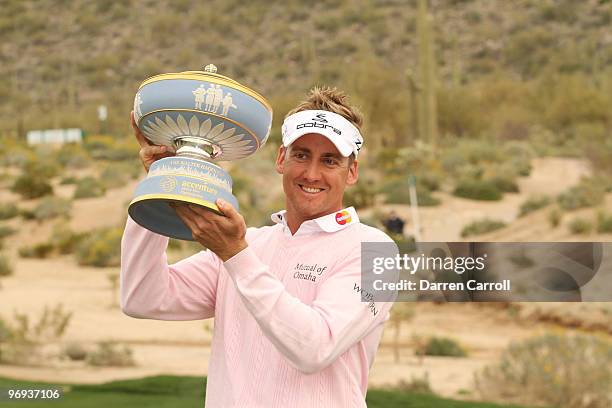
point(208, 73)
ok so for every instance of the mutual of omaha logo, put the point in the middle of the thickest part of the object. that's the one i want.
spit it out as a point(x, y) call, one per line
point(168, 184)
point(343, 217)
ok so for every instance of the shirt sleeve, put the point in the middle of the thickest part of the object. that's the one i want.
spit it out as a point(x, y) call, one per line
point(312, 336)
point(152, 289)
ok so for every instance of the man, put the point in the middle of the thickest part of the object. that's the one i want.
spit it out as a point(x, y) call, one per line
point(291, 329)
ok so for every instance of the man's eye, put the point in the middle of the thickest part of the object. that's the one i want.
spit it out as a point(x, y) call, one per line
point(330, 162)
point(299, 156)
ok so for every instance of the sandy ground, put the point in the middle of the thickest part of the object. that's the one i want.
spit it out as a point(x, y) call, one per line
point(183, 347)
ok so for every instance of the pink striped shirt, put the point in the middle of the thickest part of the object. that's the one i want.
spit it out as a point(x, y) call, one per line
point(290, 327)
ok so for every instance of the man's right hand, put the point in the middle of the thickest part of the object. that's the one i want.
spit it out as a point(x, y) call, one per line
point(148, 152)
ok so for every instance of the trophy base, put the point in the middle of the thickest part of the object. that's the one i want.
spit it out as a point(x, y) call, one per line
point(180, 180)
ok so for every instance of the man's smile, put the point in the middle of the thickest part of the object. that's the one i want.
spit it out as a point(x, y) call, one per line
point(310, 189)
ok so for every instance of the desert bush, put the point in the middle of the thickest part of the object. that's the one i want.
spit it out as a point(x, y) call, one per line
point(586, 194)
point(32, 185)
point(477, 190)
point(470, 152)
point(571, 371)
point(6, 269)
point(68, 180)
point(52, 207)
point(65, 240)
point(109, 355)
point(8, 210)
point(75, 352)
point(89, 187)
point(505, 183)
point(24, 337)
point(101, 147)
point(41, 251)
point(580, 226)
point(604, 222)
point(101, 248)
point(419, 385)
point(554, 217)
point(6, 231)
point(396, 191)
point(481, 227)
point(533, 203)
point(442, 346)
point(116, 175)
point(73, 156)
point(360, 195)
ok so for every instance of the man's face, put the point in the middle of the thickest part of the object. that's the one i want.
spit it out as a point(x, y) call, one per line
point(314, 176)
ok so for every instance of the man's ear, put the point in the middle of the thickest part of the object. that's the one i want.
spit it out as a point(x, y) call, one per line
point(353, 173)
point(280, 159)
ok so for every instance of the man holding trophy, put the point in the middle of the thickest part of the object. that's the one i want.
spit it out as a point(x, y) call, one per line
point(291, 328)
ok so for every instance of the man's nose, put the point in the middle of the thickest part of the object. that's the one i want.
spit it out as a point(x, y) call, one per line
point(312, 171)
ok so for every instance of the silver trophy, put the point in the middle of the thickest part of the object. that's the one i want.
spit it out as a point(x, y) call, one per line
point(205, 117)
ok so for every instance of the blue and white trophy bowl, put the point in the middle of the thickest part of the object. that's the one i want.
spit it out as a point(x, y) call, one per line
point(205, 117)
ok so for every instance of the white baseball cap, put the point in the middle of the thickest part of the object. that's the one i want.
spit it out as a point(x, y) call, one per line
point(342, 133)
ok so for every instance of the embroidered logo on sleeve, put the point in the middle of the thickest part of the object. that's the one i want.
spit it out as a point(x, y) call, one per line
point(343, 217)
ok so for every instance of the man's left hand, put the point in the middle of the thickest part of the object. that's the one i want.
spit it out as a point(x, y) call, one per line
point(222, 234)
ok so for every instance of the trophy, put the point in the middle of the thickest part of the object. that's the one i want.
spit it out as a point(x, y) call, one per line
point(205, 117)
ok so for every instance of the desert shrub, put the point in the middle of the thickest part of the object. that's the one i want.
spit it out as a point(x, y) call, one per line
point(470, 152)
point(477, 190)
point(6, 268)
point(571, 371)
point(117, 174)
point(360, 195)
point(6, 231)
point(42, 164)
point(68, 180)
point(75, 352)
point(586, 194)
point(396, 191)
point(109, 355)
point(89, 187)
point(554, 217)
point(419, 385)
point(25, 336)
point(504, 182)
point(102, 147)
point(101, 248)
point(32, 185)
point(481, 227)
point(8, 211)
point(52, 207)
point(580, 226)
point(73, 156)
point(442, 346)
point(65, 240)
point(41, 251)
point(533, 203)
point(604, 222)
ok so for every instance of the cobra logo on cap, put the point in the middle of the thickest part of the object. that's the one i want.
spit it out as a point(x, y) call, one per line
point(343, 217)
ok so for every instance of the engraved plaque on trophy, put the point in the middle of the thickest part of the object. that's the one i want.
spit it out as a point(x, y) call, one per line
point(206, 118)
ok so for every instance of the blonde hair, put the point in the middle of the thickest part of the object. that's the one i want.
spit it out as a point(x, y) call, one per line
point(333, 100)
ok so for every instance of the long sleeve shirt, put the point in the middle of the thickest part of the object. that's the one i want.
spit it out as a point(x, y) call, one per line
point(291, 329)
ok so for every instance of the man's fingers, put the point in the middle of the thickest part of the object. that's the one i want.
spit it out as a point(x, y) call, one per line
point(227, 209)
point(149, 152)
point(142, 141)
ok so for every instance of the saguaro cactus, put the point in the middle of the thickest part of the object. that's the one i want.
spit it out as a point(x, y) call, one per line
point(428, 118)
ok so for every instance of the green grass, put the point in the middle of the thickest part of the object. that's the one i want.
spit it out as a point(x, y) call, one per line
point(171, 391)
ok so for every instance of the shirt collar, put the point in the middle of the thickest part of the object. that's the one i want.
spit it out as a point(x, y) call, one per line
point(333, 222)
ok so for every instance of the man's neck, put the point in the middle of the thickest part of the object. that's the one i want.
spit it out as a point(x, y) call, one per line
point(294, 222)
